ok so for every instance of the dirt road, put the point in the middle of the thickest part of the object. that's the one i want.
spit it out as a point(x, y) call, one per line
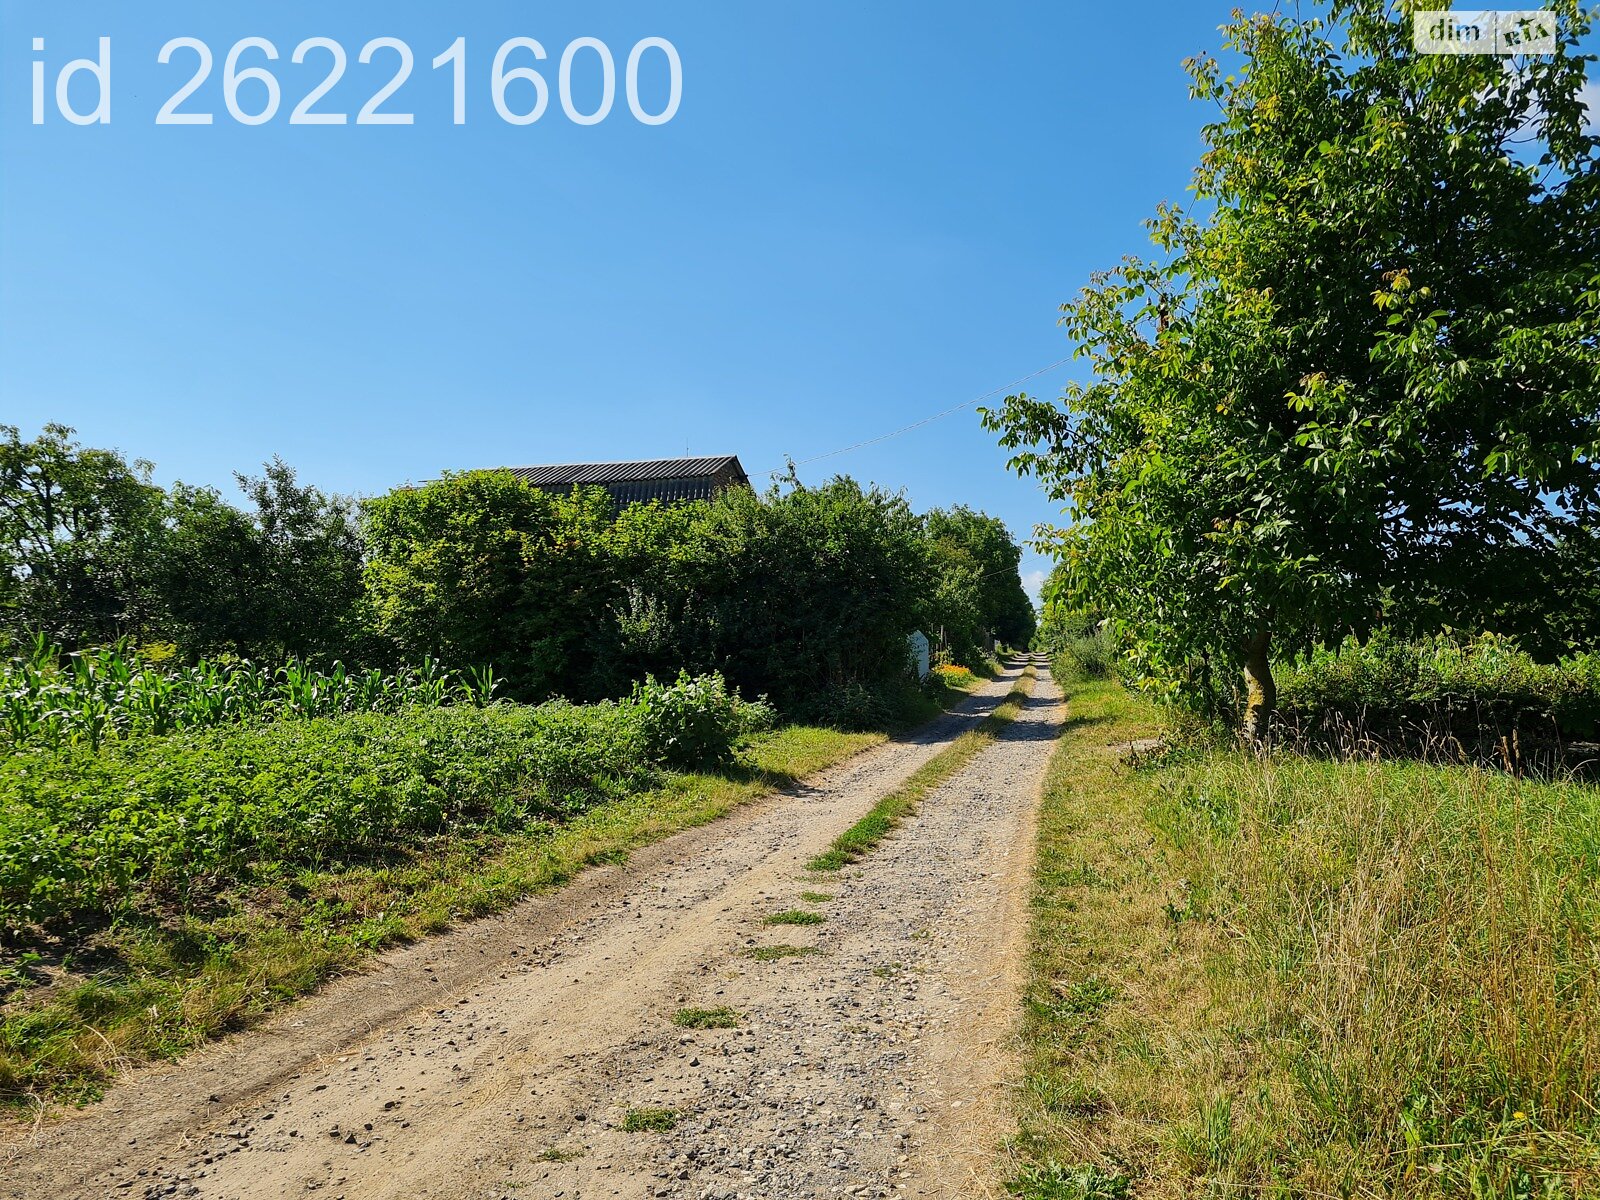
point(502, 1059)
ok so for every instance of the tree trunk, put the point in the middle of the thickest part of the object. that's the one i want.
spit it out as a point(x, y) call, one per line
point(1261, 690)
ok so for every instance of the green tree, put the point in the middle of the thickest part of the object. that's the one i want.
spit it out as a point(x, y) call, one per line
point(1361, 381)
point(282, 580)
point(79, 529)
point(209, 572)
point(482, 569)
point(312, 563)
point(977, 589)
point(805, 595)
point(1063, 620)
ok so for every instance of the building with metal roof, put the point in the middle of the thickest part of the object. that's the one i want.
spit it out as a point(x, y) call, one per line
point(669, 480)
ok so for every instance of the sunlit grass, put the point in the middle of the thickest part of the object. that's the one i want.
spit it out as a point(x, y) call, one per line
point(1305, 978)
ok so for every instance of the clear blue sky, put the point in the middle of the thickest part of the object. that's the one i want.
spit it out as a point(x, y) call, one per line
point(862, 214)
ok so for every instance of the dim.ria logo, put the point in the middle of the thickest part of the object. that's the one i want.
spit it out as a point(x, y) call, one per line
point(1484, 31)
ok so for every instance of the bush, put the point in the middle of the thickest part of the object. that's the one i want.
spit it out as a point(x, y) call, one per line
point(852, 705)
point(482, 568)
point(783, 594)
point(1443, 687)
point(1084, 658)
point(695, 721)
point(953, 676)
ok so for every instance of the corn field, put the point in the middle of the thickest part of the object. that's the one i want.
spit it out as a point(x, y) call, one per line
point(92, 696)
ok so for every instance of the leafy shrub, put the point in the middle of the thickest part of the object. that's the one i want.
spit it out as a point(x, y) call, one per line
point(568, 595)
point(852, 705)
point(481, 567)
point(1442, 686)
point(696, 721)
point(1084, 658)
point(782, 593)
point(954, 676)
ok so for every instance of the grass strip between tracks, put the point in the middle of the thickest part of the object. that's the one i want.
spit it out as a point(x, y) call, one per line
point(887, 814)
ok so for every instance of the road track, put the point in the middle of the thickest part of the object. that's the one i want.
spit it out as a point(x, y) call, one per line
point(499, 1060)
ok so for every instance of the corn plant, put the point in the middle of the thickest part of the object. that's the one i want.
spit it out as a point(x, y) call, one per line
point(52, 698)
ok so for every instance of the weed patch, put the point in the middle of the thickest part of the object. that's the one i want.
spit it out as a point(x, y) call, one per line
point(771, 953)
point(561, 1154)
point(795, 916)
point(1052, 1181)
point(706, 1018)
point(649, 1120)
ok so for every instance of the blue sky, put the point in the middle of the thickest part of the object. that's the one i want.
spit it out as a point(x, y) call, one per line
point(862, 214)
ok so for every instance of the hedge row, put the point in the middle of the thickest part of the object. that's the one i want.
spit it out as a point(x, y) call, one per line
point(1486, 687)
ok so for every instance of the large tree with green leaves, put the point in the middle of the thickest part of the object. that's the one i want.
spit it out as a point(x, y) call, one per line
point(976, 592)
point(283, 579)
point(1361, 382)
point(79, 529)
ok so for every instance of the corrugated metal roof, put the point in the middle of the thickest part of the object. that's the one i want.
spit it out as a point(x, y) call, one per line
point(568, 474)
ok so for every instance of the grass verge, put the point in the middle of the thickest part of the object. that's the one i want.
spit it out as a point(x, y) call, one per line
point(1294, 977)
point(72, 1017)
point(894, 808)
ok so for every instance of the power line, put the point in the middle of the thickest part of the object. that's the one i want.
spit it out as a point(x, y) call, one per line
point(1006, 388)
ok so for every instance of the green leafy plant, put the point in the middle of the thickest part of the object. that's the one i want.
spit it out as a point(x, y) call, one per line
point(1446, 686)
point(1051, 1181)
point(170, 819)
point(54, 699)
point(695, 721)
point(1085, 658)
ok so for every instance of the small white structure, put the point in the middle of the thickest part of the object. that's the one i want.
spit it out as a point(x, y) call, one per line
point(918, 643)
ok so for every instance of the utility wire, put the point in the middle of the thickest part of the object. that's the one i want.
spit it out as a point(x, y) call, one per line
point(1006, 388)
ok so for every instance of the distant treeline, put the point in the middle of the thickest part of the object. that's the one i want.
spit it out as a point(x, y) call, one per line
point(803, 594)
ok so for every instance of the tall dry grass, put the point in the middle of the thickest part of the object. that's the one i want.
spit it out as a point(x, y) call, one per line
point(1419, 951)
point(1329, 979)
